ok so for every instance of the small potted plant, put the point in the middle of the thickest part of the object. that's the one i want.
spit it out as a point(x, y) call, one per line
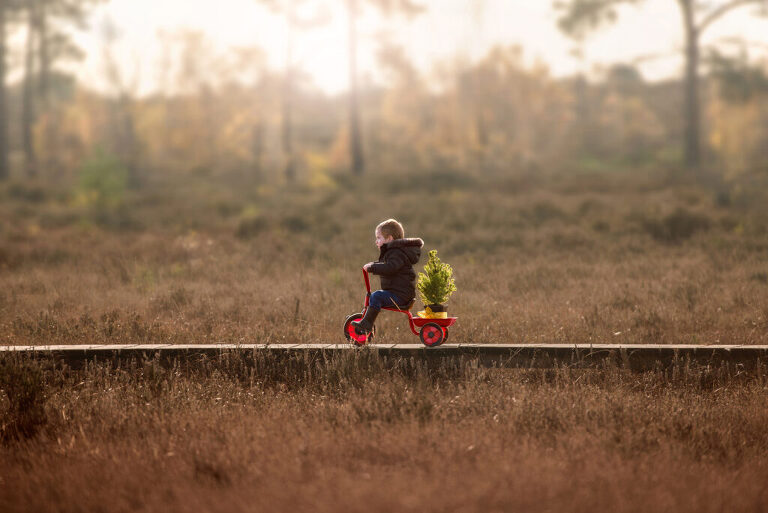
point(435, 286)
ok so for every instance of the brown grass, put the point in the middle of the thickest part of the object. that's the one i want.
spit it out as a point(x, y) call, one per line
point(356, 433)
point(605, 258)
point(614, 258)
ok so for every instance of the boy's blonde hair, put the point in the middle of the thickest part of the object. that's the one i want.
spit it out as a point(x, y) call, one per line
point(391, 228)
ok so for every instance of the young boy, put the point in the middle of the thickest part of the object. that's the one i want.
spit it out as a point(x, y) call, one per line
point(395, 267)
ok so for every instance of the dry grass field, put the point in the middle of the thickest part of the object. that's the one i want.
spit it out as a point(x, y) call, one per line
point(631, 258)
point(622, 258)
point(355, 433)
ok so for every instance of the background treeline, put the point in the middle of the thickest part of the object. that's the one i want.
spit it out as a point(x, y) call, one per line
point(227, 114)
point(493, 115)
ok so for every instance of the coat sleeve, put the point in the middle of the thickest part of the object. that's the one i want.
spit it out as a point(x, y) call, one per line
point(391, 265)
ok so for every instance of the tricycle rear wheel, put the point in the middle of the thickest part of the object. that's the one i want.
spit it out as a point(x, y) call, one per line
point(432, 334)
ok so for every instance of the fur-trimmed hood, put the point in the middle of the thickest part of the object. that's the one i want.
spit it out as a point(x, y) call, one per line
point(411, 248)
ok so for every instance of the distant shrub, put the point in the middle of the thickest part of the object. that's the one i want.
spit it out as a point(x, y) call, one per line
point(120, 218)
point(29, 192)
point(227, 208)
point(295, 224)
point(601, 226)
point(542, 212)
point(731, 224)
point(676, 227)
point(432, 181)
point(568, 241)
point(47, 256)
point(251, 226)
point(102, 182)
point(58, 219)
point(591, 206)
point(482, 243)
point(8, 259)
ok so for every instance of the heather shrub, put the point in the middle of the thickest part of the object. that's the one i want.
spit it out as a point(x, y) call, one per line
point(677, 226)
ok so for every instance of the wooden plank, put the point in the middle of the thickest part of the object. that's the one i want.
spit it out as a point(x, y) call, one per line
point(637, 356)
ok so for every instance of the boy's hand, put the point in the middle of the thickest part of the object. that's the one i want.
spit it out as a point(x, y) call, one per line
point(367, 266)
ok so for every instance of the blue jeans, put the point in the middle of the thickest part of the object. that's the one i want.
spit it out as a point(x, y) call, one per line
point(382, 298)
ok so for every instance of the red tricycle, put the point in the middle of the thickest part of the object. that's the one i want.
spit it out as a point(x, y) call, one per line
point(432, 332)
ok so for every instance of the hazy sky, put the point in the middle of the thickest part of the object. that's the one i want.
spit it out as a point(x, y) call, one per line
point(448, 28)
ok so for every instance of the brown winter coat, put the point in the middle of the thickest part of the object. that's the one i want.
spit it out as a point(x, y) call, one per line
point(395, 267)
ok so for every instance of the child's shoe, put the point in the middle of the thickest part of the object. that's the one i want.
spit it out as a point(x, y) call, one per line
point(365, 325)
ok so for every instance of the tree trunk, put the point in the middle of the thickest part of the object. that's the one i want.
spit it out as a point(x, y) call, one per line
point(27, 114)
point(45, 61)
point(257, 148)
point(480, 129)
point(691, 87)
point(208, 107)
point(290, 163)
point(50, 117)
point(129, 146)
point(355, 143)
point(4, 172)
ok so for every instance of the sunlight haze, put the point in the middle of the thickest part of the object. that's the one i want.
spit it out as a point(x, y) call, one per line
point(448, 29)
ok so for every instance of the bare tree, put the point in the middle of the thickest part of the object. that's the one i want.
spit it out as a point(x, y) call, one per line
point(28, 110)
point(49, 41)
point(123, 127)
point(289, 9)
point(354, 7)
point(578, 17)
point(355, 137)
point(4, 172)
point(289, 169)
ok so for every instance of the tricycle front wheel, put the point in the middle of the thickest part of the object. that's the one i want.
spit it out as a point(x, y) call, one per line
point(351, 334)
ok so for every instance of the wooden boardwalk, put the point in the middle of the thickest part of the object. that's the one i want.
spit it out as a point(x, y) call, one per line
point(636, 356)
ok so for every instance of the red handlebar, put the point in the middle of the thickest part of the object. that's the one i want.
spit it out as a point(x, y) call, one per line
point(367, 281)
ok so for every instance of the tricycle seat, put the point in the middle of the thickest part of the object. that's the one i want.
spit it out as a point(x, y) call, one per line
point(401, 308)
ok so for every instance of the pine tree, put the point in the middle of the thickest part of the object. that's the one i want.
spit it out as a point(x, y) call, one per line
point(436, 283)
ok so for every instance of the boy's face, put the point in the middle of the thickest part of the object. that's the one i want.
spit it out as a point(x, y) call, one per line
point(381, 240)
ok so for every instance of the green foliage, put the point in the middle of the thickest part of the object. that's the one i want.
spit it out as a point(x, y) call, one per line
point(252, 224)
point(739, 80)
point(102, 182)
point(579, 17)
point(436, 283)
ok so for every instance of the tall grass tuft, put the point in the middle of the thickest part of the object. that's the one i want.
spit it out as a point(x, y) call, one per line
point(22, 381)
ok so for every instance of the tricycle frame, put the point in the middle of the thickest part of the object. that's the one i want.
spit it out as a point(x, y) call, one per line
point(426, 329)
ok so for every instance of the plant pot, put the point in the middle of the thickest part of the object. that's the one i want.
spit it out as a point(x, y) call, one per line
point(434, 311)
